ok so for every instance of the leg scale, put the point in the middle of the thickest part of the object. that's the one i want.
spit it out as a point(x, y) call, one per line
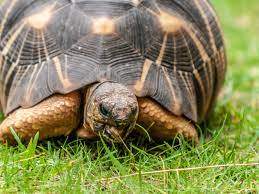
point(164, 125)
point(56, 116)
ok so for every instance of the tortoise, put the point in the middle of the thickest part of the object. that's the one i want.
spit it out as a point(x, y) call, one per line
point(98, 67)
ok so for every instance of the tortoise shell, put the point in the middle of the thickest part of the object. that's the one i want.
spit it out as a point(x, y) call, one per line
point(169, 50)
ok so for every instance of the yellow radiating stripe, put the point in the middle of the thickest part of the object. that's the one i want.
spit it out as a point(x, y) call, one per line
point(219, 26)
point(198, 78)
point(205, 18)
point(177, 103)
point(205, 57)
point(189, 88)
point(12, 67)
point(8, 11)
point(64, 80)
point(29, 86)
point(195, 71)
point(12, 39)
point(140, 84)
point(212, 42)
point(32, 80)
point(15, 87)
point(212, 11)
point(188, 27)
point(208, 69)
point(211, 36)
point(202, 51)
point(223, 58)
point(162, 50)
point(66, 66)
point(36, 72)
point(45, 46)
point(208, 73)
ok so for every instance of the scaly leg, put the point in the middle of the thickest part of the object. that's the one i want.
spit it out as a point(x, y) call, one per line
point(56, 116)
point(86, 133)
point(164, 125)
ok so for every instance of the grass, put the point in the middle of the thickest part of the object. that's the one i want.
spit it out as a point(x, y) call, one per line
point(64, 166)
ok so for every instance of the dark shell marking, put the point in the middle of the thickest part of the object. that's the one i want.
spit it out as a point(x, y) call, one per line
point(170, 50)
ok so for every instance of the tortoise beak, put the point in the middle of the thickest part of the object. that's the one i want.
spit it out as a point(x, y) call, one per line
point(114, 134)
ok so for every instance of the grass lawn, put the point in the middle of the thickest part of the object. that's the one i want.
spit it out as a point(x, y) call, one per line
point(64, 166)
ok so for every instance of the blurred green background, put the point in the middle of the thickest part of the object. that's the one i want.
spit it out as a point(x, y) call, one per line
point(64, 167)
point(240, 21)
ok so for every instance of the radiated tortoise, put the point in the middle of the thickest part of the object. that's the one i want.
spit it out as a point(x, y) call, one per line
point(98, 67)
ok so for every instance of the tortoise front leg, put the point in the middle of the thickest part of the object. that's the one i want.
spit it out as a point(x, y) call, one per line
point(162, 123)
point(85, 132)
point(55, 116)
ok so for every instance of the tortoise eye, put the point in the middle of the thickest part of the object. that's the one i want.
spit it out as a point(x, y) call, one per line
point(104, 110)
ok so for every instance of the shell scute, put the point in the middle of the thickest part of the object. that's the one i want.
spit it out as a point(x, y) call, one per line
point(171, 51)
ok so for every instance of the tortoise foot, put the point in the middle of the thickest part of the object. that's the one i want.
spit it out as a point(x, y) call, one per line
point(86, 133)
point(55, 116)
point(162, 124)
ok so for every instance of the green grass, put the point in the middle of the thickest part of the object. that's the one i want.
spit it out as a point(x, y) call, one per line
point(63, 166)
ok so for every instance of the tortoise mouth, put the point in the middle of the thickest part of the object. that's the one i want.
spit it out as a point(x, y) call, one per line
point(112, 131)
point(115, 134)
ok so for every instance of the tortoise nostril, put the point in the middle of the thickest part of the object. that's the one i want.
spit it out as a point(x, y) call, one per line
point(120, 115)
point(120, 122)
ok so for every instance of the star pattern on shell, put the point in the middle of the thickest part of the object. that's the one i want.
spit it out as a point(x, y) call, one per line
point(171, 51)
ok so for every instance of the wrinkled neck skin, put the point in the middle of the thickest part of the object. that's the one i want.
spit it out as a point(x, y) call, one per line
point(111, 110)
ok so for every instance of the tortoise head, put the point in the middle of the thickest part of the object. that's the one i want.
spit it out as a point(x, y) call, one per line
point(111, 110)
